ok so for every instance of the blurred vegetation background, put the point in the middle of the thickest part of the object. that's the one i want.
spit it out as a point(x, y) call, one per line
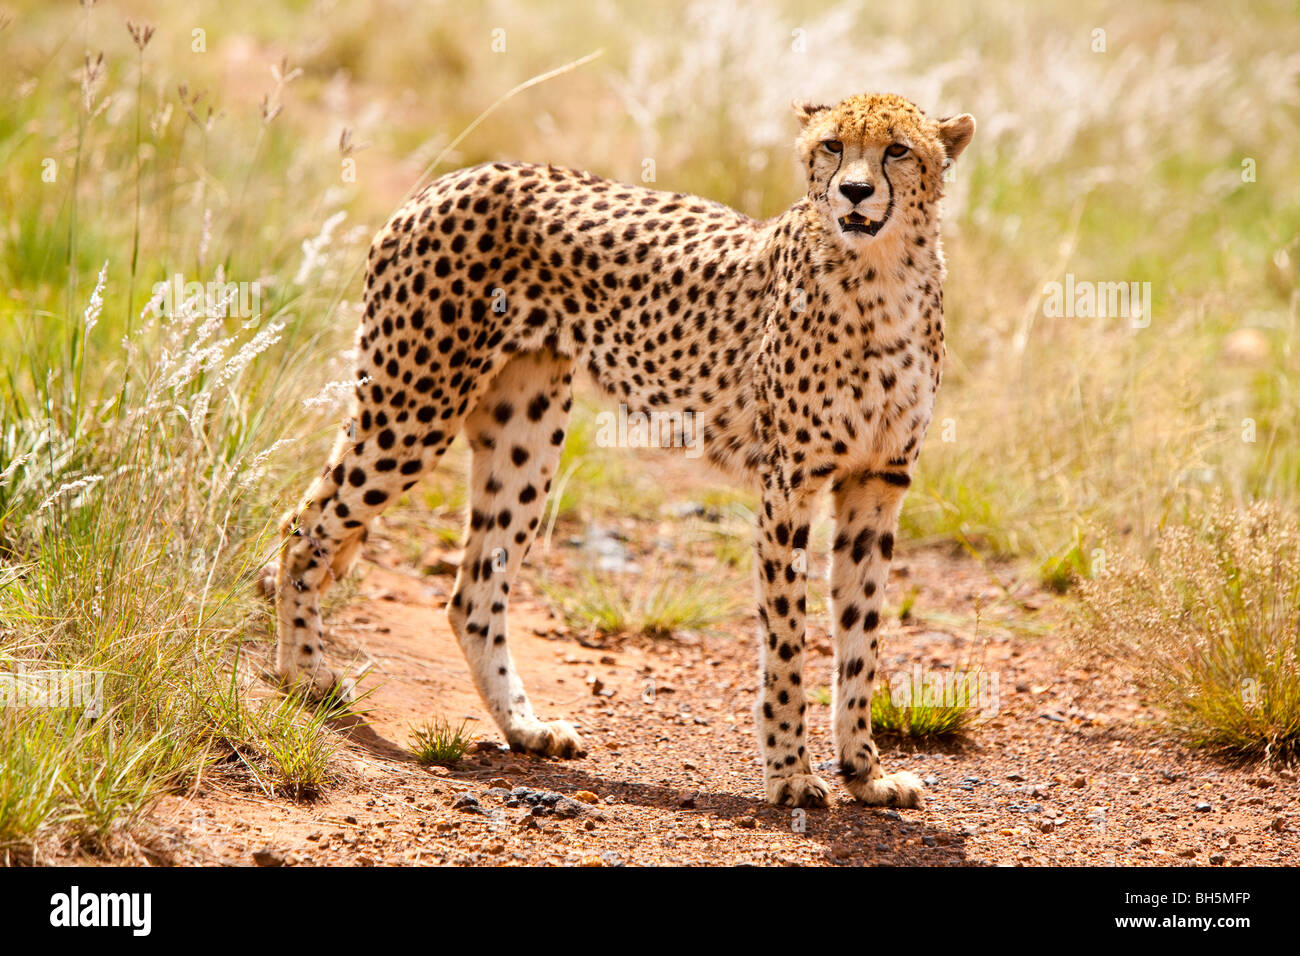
point(144, 457)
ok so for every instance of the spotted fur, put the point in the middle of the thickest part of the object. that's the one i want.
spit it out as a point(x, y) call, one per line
point(809, 346)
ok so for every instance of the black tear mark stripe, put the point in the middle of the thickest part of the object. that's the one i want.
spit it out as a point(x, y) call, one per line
point(899, 479)
point(889, 209)
point(839, 162)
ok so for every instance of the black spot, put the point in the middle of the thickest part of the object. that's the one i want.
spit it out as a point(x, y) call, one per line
point(537, 407)
point(862, 544)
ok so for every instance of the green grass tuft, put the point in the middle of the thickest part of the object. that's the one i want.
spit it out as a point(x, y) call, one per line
point(656, 605)
point(436, 741)
point(924, 714)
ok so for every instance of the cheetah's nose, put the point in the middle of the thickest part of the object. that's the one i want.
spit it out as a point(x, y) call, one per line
point(856, 192)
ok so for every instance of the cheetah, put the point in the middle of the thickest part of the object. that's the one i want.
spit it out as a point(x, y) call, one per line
point(809, 346)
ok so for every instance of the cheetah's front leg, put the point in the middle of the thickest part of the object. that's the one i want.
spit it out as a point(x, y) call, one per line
point(782, 540)
point(866, 516)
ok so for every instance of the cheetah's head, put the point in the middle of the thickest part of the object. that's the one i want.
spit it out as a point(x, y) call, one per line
point(876, 160)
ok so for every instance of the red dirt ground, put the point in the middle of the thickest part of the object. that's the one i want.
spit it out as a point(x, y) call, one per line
point(1070, 770)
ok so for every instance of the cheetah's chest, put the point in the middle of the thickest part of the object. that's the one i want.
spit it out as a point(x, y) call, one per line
point(876, 384)
point(882, 409)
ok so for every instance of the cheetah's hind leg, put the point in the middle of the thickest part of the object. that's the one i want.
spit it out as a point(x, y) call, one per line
point(516, 433)
point(269, 575)
point(322, 539)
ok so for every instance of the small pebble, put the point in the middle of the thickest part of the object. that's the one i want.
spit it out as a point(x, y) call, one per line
point(840, 851)
point(267, 857)
point(466, 803)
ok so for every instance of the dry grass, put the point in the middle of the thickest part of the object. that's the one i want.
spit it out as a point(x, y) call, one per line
point(1209, 624)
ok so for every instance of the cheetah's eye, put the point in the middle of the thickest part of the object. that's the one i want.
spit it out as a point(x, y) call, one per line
point(896, 150)
point(832, 146)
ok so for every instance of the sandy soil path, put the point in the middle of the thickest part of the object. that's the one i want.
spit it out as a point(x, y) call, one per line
point(1068, 770)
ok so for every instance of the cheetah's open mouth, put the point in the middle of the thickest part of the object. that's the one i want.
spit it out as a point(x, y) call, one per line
point(855, 222)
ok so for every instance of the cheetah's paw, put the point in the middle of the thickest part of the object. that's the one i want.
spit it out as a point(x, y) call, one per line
point(556, 738)
point(798, 790)
point(267, 580)
point(901, 789)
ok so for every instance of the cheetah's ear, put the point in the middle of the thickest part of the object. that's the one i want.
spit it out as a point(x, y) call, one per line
point(806, 110)
point(955, 133)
